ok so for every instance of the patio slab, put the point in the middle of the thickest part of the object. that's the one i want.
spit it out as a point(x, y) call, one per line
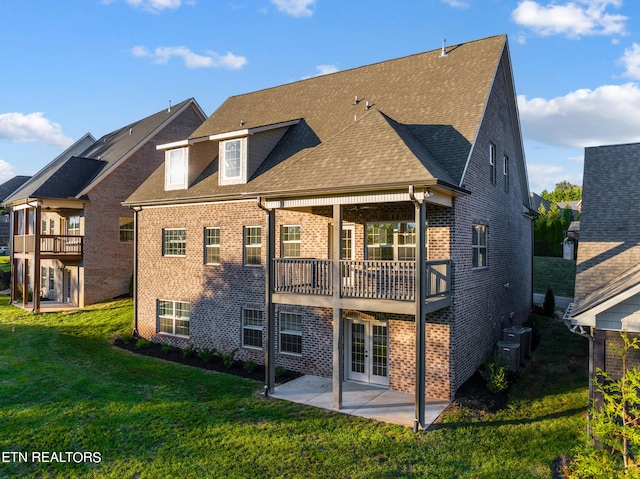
point(363, 400)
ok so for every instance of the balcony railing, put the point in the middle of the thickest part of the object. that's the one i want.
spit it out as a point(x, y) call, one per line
point(63, 245)
point(391, 280)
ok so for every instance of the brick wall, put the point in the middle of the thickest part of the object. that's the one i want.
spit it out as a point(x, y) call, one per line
point(612, 362)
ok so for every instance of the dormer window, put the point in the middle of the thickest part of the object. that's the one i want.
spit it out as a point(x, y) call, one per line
point(233, 161)
point(175, 175)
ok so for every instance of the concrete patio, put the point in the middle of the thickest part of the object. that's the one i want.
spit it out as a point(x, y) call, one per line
point(359, 399)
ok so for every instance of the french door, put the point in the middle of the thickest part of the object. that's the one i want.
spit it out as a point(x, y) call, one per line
point(368, 352)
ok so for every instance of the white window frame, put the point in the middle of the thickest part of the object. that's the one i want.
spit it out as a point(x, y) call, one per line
point(226, 176)
point(167, 240)
point(252, 320)
point(176, 171)
point(173, 315)
point(73, 225)
point(252, 246)
point(124, 231)
point(492, 164)
point(214, 248)
point(286, 233)
point(399, 232)
point(479, 245)
point(505, 172)
point(283, 332)
point(52, 279)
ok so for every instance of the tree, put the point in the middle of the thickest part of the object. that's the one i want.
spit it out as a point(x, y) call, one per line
point(564, 191)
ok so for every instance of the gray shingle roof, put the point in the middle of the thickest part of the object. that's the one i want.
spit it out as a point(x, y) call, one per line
point(423, 116)
point(12, 185)
point(609, 249)
point(68, 176)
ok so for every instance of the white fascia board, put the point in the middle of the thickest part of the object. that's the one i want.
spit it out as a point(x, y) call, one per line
point(588, 317)
point(181, 143)
point(250, 131)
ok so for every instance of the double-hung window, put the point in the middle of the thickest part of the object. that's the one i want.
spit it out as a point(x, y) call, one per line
point(232, 162)
point(252, 327)
point(126, 229)
point(252, 245)
point(391, 241)
point(291, 241)
point(52, 278)
point(493, 167)
point(175, 169)
point(43, 278)
point(479, 246)
point(73, 226)
point(212, 245)
point(505, 171)
point(290, 333)
point(174, 242)
point(173, 317)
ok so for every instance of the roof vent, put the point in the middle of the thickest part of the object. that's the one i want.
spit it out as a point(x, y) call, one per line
point(130, 131)
point(443, 53)
point(356, 101)
point(169, 109)
point(241, 122)
point(367, 105)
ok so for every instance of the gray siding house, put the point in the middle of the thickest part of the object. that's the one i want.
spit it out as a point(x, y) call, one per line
point(370, 225)
point(72, 240)
point(607, 290)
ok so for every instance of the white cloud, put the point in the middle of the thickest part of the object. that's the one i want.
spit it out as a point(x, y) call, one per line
point(631, 61)
point(162, 55)
point(607, 115)
point(295, 8)
point(456, 3)
point(155, 6)
point(545, 177)
point(32, 128)
point(6, 171)
point(326, 69)
point(573, 19)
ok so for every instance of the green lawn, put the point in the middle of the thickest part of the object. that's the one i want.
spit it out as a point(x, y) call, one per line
point(64, 388)
point(558, 273)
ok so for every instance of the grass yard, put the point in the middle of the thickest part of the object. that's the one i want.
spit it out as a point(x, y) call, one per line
point(64, 388)
point(558, 273)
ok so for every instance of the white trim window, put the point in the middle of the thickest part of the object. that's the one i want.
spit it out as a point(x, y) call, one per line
point(479, 246)
point(232, 154)
point(212, 245)
point(174, 242)
point(393, 241)
point(175, 169)
point(493, 167)
point(173, 317)
point(52, 279)
point(291, 333)
point(291, 241)
point(252, 245)
point(252, 328)
point(505, 171)
point(73, 226)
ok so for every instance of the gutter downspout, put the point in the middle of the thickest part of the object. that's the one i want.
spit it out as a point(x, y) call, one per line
point(136, 243)
point(269, 311)
point(421, 280)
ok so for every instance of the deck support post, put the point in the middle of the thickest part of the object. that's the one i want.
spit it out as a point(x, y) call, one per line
point(269, 310)
point(421, 281)
point(36, 259)
point(337, 310)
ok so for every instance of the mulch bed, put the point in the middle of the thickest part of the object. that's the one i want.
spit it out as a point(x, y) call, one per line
point(474, 396)
point(239, 368)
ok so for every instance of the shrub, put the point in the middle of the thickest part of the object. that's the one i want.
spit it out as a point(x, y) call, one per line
point(143, 343)
point(207, 355)
point(494, 372)
point(549, 304)
point(229, 359)
point(189, 351)
point(127, 336)
point(166, 348)
point(250, 366)
point(280, 371)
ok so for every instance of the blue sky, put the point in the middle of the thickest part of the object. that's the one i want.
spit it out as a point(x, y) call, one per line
point(77, 66)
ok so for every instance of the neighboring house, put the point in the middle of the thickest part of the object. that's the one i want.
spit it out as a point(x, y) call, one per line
point(574, 205)
point(292, 225)
point(537, 201)
point(607, 290)
point(72, 238)
point(6, 189)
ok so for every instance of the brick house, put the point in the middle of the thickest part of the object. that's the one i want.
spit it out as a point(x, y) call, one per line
point(607, 288)
point(309, 224)
point(72, 240)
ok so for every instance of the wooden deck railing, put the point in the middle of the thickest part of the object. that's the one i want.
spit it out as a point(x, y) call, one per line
point(391, 280)
point(63, 245)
